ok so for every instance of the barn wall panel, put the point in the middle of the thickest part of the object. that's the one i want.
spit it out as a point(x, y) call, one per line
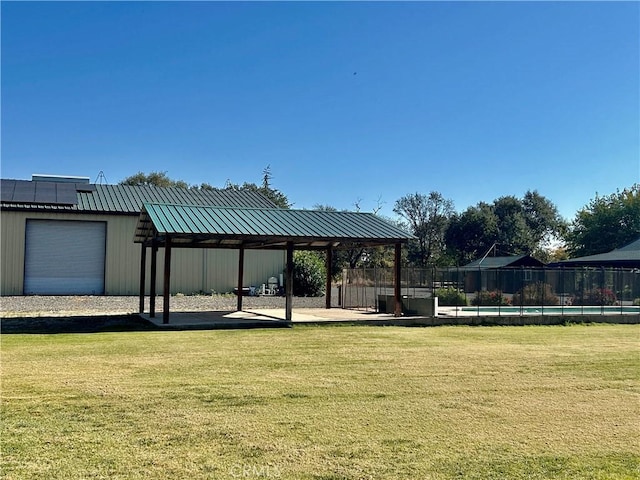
point(12, 230)
point(193, 270)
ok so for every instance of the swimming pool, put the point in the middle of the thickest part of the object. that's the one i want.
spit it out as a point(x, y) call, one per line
point(552, 310)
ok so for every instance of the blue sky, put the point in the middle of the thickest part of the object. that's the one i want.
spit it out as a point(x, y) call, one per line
point(346, 101)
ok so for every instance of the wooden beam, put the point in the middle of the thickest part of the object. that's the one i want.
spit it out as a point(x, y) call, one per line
point(154, 276)
point(167, 280)
point(288, 283)
point(329, 262)
point(143, 271)
point(240, 274)
point(398, 280)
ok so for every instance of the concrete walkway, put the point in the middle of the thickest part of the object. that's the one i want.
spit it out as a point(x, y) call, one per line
point(266, 318)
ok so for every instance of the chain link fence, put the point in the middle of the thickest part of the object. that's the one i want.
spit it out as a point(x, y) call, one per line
point(508, 291)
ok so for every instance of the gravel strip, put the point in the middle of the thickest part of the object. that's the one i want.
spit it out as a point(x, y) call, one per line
point(37, 305)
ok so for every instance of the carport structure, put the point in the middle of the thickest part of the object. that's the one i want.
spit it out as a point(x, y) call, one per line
point(170, 226)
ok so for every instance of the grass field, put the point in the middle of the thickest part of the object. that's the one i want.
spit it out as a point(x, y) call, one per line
point(324, 403)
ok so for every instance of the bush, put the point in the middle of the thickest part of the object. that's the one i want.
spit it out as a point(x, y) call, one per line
point(536, 294)
point(308, 274)
point(636, 302)
point(450, 297)
point(490, 298)
point(596, 296)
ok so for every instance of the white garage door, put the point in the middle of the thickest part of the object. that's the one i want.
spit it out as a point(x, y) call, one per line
point(64, 257)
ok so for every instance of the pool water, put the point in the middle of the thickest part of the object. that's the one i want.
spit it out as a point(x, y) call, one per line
point(554, 310)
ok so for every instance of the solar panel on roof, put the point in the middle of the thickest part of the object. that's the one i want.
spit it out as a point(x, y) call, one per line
point(25, 192)
point(85, 187)
point(6, 190)
point(121, 198)
point(66, 194)
point(45, 192)
point(39, 193)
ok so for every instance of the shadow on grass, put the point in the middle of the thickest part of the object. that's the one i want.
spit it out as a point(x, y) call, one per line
point(80, 324)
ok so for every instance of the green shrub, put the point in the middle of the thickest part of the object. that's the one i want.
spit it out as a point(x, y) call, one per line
point(490, 298)
point(308, 274)
point(596, 296)
point(626, 293)
point(536, 294)
point(450, 297)
point(636, 302)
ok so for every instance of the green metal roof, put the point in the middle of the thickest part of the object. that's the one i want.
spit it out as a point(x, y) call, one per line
point(626, 257)
point(632, 247)
point(194, 225)
point(504, 262)
point(123, 199)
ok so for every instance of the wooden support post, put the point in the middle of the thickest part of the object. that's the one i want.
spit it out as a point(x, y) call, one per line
point(240, 274)
point(343, 289)
point(398, 280)
point(329, 261)
point(167, 280)
point(143, 271)
point(288, 283)
point(154, 276)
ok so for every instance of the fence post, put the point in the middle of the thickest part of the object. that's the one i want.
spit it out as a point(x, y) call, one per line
point(602, 292)
point(478, 293)
point(620, 281)
point(398, 280)
point(375, 288)
point(464, 284)
point(563, 288)
point(498, 281)
point(521, 290)
point(582, 293)
point(544, 287)
point(344, 288)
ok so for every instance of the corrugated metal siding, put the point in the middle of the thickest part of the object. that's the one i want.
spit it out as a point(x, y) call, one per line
point(12, 235)
point(193, 270)
point(196, 270)
point(129, 199)
point(185, 219)
point(123, 261)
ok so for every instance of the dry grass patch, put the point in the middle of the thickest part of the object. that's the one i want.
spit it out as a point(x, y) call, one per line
point(324, 403)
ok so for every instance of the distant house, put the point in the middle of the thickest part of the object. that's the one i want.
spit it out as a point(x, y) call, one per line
point(515, 261)
point(63, 235)
point(500, 273)
point(624, 257)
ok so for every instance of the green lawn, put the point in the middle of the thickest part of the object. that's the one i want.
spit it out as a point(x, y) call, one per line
point(324, 403)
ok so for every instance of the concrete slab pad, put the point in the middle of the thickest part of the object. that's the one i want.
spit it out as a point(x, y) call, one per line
point(265, 317)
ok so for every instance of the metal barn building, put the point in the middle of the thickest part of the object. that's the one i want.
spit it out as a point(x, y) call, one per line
point(65, 236)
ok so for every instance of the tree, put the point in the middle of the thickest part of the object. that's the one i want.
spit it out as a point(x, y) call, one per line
point(544, 220)
point(354, 256)
point(471, 233)
point(383, 256)
point(513, 231)
point(161, 179)
point(276, 196)
point(308, 274)
point(606, 223)
point(156, 179)
point(510, 225)
point(427, 217)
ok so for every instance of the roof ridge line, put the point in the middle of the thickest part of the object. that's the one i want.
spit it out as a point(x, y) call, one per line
point(260, 208)
point(212, 206)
